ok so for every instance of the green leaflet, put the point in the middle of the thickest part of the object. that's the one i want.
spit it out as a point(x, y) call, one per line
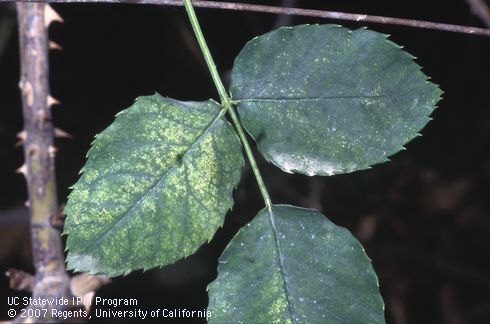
point(294, 266)
point(323, 99)
point(156, 186)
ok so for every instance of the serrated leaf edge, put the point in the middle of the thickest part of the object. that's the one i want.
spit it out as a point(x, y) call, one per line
point(125, 272)
point(276, 242)
point(383, 158)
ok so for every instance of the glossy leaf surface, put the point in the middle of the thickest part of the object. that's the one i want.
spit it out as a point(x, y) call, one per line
point(323, 99)
point(294, 266)
point(156, 186)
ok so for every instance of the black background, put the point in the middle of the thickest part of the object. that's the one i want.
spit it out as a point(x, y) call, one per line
point(423, 218)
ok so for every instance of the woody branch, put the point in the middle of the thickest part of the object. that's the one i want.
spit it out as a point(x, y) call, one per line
point(50, 279)
point(291, 11)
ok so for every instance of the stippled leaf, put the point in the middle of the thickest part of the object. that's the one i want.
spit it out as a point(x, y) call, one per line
point(323, 99)
point(293, 265)
point(156, 186)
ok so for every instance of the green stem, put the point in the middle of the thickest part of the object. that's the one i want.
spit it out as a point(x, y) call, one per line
point(253, 163)
point(205, 50)
point(226, 101)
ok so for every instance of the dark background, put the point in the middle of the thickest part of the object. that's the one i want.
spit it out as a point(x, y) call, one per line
point(423, 218)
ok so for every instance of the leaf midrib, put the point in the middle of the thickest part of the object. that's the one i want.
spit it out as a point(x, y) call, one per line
point(124, 216)
point(282, 99)
point(281, 265)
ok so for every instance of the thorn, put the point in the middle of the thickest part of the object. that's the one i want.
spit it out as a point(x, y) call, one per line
point(32, 149)
point(22, 136)
point(22, 169)
point(51, 16)
point(42, 117)
point(61, 133)
point(27, 92)
point(52, 151)
point(20, 280)
point(54, 46)
point(53, 101)
point(58, 219)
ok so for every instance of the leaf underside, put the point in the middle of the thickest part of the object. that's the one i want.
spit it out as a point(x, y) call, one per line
point(322, 99)
point(294, 266)
point(156, 186)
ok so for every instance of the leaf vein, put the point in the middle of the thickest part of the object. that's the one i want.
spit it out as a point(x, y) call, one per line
point(281, 266)
point(121, 218)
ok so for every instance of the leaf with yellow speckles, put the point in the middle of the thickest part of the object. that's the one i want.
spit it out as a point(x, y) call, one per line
point(323, 99)
point(156, 186)
point(292, 265)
